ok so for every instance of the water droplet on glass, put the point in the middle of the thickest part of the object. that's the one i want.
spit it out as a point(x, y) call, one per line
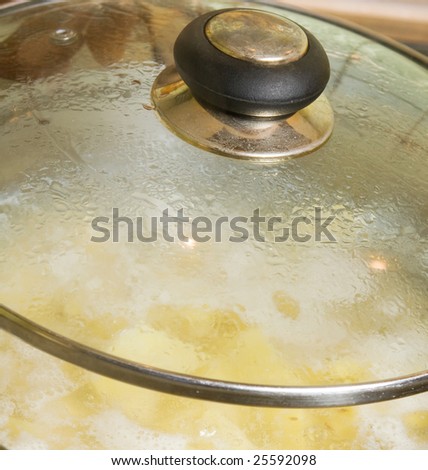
point(64, 36)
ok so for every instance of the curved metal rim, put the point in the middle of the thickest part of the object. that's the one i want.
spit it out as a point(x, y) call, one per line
point(204, 388)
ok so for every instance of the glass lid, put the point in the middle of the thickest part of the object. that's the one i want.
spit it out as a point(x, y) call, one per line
point(121, 235)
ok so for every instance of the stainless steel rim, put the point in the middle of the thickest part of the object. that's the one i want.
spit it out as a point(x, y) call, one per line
point(208, 389)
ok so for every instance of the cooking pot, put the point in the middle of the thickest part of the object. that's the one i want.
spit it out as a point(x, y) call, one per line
point(214, 223)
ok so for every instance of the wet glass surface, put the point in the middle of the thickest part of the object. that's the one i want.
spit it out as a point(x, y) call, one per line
point(79, 138)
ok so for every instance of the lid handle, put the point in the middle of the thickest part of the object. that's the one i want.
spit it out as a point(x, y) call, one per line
point(251, 62)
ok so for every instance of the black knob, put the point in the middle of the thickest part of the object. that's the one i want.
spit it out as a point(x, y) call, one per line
point(251, 62)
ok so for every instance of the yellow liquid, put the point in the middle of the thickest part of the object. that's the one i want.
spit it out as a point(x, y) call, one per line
point(48, 403)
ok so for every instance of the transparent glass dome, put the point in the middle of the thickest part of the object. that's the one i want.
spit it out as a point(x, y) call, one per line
point(306, 272)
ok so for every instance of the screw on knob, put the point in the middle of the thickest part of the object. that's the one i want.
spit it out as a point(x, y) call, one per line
point(251, 62)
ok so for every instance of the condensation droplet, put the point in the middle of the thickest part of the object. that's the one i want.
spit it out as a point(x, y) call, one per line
point(64, 36)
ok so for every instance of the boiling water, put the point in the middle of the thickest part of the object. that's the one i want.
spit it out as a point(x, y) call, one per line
point(188, 311)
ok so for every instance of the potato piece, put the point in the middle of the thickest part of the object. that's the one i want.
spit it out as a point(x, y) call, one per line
point(157, 349)
point(208, 330)
point(218, 344)
point(286, 305)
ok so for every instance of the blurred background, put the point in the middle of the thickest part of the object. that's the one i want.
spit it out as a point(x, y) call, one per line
point(403, 20)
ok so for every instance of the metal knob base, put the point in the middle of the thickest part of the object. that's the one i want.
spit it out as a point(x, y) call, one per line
point(239, 136)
